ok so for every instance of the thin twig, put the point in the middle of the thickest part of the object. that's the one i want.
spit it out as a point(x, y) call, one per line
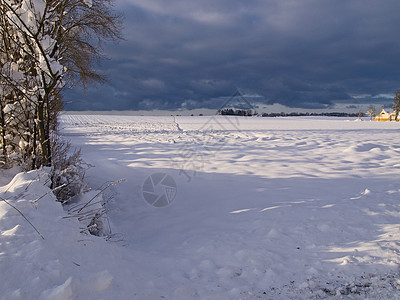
point(100, 192)
point(51, 191)
point(76, 208)
point(22, 216)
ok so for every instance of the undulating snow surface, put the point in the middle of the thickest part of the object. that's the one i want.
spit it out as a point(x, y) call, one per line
point(260, 208)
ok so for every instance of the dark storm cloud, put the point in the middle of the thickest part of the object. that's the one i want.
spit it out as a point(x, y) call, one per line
point(308, 54)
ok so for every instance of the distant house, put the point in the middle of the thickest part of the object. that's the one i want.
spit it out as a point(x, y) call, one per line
point(382, 116)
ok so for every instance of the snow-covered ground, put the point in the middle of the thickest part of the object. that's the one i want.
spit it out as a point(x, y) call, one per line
point(254, 208)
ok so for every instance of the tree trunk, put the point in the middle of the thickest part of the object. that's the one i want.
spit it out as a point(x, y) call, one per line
point(3, 134)
point(47, 129)
point(42, 136)
point(34, 158)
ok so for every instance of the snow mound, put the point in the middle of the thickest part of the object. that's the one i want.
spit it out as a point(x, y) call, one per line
point(47, 258)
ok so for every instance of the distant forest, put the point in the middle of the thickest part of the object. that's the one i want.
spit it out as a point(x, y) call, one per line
point(249, 112)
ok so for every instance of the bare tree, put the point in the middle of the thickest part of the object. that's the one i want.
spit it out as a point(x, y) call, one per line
point(396, 105)
point(371, 112)
point(83, 29)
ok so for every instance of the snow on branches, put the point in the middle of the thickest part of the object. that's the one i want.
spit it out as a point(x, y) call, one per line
point(30, 80)
point(44, 45)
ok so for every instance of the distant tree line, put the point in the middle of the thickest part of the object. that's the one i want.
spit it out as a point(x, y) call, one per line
point(236, 112)
point(307, 114)
point(249, 112)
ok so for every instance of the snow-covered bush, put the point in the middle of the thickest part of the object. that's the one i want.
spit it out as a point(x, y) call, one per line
point(67, 171)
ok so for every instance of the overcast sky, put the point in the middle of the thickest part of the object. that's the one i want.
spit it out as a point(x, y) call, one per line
point(299, 53)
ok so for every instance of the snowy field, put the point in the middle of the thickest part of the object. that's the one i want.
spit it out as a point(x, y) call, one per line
point(250, 208)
